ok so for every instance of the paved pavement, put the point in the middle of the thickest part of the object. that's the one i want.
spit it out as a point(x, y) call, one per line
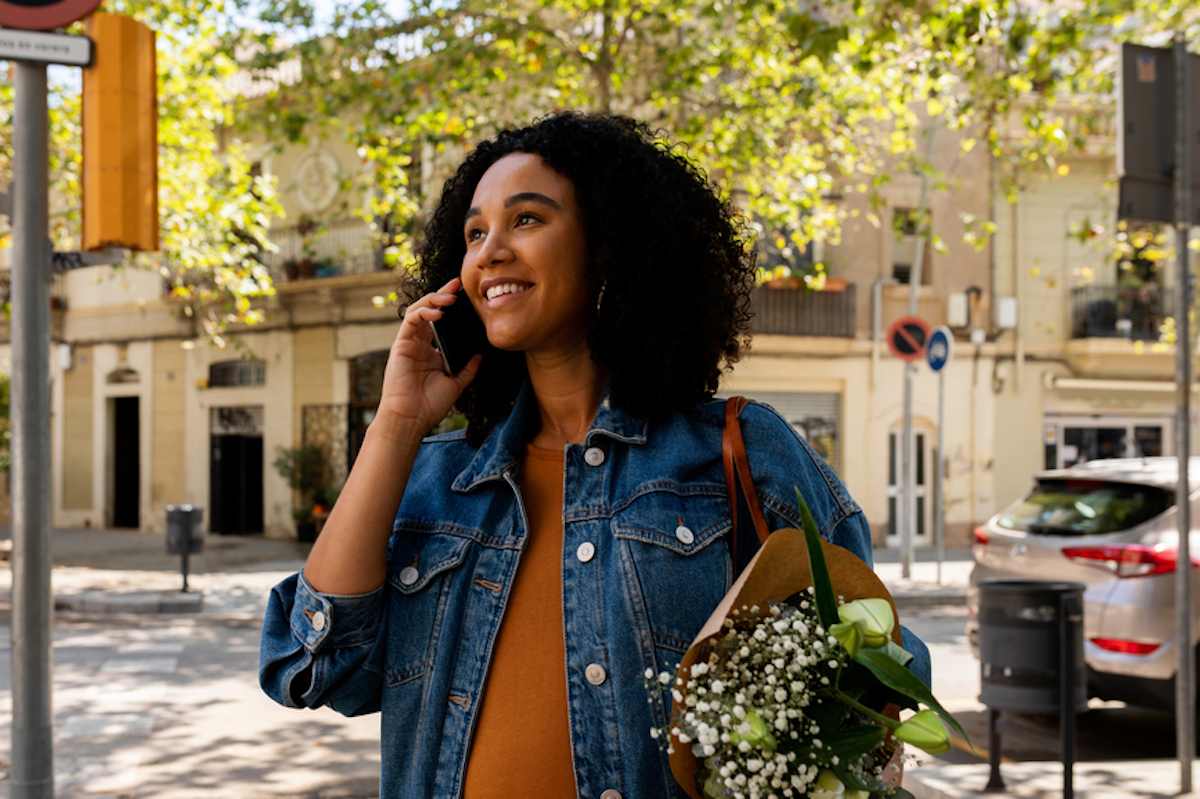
point(168, 704)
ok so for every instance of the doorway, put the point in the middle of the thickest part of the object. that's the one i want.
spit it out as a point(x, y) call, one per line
point(236, 471)
point(923, 510)
point(126, 463)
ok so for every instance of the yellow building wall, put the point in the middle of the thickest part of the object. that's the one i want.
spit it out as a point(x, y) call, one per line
point(312, 375)
point(169, 449)
point(77, 424)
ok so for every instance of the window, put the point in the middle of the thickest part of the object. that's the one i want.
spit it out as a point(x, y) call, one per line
point(907, 233)
point(239, 373)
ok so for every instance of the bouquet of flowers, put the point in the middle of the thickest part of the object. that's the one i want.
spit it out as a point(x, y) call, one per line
point(794, 685)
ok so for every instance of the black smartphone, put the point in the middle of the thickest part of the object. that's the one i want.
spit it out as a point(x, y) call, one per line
point(459, 334)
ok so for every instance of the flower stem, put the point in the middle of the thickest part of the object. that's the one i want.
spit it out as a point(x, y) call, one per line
point(851, 702)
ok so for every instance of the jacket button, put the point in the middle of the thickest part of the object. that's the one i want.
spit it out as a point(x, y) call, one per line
point(409, 575)
point(595, 674)
point(594, 456)
point(586, 551)
point(684, 535)
point(318, 621)
point(611, 794)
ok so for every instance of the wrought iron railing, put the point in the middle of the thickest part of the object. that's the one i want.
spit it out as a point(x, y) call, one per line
point(801, 312)
point(1134, 313)
point(325, 250)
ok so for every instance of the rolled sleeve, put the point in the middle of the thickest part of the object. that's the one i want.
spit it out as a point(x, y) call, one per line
point(321, 649)
point(334, 620)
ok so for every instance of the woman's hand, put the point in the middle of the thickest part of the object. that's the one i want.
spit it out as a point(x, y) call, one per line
point(416, 392)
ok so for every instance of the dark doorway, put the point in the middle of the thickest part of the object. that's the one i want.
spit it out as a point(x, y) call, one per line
point(126, 463)
point(236, 476)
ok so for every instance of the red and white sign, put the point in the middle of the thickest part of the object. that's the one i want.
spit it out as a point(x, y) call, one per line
point(907, 337)
point(39, 15)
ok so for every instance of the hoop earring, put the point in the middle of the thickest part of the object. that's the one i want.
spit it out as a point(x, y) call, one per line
point(600, 296)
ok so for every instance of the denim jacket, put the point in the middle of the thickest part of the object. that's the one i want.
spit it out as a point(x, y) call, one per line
point(649, 498)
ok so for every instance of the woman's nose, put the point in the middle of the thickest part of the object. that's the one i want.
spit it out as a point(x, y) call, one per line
point(494, 251)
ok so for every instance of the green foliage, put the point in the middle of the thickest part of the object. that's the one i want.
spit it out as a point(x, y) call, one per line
point(787, 106)
point(214, 210)
point(306, 470)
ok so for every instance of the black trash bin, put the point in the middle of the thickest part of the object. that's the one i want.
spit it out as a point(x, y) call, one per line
point(1031, 659)
point(185, 534)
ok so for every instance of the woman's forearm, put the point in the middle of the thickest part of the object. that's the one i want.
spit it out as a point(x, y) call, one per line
point(349, 555)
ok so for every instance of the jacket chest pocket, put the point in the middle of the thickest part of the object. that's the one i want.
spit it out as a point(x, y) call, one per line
point(421, 573)
point(675, 559)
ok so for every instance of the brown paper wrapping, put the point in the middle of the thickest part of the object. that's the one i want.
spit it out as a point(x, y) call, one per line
point(779, 569)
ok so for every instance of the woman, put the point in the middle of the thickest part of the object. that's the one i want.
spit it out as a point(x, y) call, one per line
point(498, 592)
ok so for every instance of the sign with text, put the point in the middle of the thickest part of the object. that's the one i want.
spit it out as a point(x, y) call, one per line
point(46, 48)
point(44, 15)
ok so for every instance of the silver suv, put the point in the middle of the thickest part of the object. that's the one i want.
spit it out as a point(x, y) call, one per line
point(1111, 525)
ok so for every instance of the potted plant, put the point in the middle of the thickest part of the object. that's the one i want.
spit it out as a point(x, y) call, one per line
point(306, 470)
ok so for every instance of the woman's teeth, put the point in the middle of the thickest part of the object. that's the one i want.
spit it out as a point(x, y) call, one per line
point(505, 288)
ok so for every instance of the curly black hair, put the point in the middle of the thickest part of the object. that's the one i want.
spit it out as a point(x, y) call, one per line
point(674, 260)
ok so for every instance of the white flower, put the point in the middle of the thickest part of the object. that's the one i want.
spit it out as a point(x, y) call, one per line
point(663, 678)
point(649, 674)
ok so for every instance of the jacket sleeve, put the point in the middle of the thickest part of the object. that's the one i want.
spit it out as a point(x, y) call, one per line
point(782, 462)
point(322, 649)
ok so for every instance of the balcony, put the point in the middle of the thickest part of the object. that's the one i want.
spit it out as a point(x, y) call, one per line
point(800, 312)
point(1130, 313)
point(347, 247)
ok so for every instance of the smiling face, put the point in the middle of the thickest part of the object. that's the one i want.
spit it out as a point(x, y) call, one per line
point(524, 267)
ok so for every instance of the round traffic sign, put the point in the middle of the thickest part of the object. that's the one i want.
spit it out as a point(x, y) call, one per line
point(939, 349)
point(41, 15)
point(906, 338)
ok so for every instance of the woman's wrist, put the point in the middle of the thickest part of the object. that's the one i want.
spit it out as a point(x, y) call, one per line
point(395, 429)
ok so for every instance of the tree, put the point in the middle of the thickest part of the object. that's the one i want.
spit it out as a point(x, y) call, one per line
point(786, 104)
point(213, 210)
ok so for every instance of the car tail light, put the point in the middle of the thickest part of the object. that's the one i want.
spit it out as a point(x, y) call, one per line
point(1130, 560)
point(981, 537)
point(1125, 647)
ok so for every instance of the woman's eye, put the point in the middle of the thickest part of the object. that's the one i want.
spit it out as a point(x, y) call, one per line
point(526, 215)
point(471, 233)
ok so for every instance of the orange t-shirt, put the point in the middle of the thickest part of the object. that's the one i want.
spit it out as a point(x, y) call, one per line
point(522, 743)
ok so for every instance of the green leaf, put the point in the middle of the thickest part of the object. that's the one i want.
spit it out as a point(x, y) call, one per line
point(898, 678)
point(855, 742)
point(826, 599)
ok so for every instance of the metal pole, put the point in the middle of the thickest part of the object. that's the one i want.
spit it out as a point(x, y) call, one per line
point(1185, 673)
point(939, 503)
point(1066, 696)
point(32, 740)
point(908, 489)
point(995, 783)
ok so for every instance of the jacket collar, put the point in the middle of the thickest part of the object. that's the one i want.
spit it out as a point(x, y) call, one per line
point(505, 445)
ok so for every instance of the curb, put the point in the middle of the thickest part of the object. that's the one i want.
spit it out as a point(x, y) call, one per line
point(930, 599)
point(130, 602)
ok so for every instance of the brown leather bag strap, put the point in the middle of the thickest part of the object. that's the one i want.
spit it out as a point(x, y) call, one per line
point(738, 480)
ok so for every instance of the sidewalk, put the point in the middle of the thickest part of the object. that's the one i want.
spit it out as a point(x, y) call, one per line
point(1119, 779)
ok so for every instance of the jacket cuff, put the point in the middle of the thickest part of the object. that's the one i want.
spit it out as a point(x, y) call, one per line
point(336, 620)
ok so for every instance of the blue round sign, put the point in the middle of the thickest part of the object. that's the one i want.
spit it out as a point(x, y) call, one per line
point(939, 348)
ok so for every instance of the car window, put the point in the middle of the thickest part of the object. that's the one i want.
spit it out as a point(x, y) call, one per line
point(1085, 507)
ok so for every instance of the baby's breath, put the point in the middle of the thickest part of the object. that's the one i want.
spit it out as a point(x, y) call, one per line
point(741, 706)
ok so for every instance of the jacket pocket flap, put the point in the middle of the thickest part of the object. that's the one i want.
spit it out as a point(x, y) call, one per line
point(416, 558)
point(681, 523)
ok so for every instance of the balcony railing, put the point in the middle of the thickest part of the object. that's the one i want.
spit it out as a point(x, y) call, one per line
point(1118, 312)
point(800, 312)
point(336, 248)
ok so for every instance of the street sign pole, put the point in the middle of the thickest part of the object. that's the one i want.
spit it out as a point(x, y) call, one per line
point(939, 501)
point(32, 741)
point(1185, 674)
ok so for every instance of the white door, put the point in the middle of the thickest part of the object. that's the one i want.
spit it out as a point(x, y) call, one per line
point(924, 506)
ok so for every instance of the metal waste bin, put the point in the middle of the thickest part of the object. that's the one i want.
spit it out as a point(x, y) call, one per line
point(185, 535)
point(1021, 646)
point(1031, 660)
